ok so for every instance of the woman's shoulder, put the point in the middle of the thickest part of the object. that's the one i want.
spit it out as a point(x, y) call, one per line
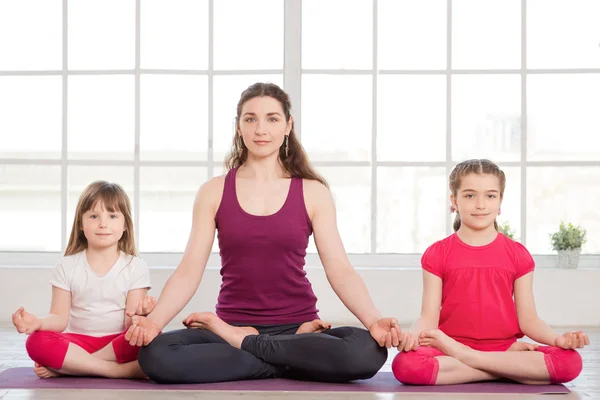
point(317, 196)
point(212, 189)
point(313, 187)
point(213, 184)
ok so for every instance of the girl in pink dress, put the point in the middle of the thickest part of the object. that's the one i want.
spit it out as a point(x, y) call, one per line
point(470, 322)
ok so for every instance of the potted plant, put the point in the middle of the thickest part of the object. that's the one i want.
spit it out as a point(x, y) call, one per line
point(567, 242)
point(506, 229)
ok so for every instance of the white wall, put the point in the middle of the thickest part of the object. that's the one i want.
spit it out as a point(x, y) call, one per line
point(563, 297)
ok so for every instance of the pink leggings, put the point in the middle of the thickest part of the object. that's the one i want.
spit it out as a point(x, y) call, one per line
point(421, 367)
point(50, 348)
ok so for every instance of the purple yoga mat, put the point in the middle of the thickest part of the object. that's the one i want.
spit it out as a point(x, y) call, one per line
point(25, 378)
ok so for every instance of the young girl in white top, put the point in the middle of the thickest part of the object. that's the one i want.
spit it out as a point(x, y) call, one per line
point(97, 287)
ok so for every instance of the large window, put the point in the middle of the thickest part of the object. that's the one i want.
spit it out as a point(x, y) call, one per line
point(388, 96)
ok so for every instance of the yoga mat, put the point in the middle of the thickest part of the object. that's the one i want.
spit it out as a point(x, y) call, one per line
point(25, 378)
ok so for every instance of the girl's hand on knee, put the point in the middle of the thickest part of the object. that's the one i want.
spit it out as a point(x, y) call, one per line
point(25, 322)
point(408, 342)
point(572, 340)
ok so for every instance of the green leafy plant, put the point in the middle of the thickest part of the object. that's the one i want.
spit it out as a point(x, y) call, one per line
point(568, 237)
point(506, 229)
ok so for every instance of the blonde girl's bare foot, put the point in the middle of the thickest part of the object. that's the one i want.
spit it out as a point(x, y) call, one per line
point(314, 326)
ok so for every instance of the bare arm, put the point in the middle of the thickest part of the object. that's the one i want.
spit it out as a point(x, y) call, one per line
point(529, 322)
point(134, 298)
point(430, 305)
point(343, 278)
point(184, 282)
point(58, 318)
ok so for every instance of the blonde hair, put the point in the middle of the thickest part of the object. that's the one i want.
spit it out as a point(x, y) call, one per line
point(114, 198)
point(474, 166)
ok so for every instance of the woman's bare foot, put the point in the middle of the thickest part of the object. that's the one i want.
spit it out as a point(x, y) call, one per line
point(444, 343)
point(233, 335)
point(44, 372)
point(314, 326)
point(522, 346)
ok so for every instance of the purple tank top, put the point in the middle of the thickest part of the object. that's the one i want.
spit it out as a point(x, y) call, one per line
point(262, 261)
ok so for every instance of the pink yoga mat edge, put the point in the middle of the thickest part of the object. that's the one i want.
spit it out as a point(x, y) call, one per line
point(383, 382)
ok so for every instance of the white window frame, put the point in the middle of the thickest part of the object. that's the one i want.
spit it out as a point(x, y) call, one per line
point(292, 76)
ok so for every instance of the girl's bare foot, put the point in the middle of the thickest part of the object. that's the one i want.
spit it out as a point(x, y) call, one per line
point(233, 335)
point(444, 343)
point(44, 372)
point(314, 326)
point(132, 370)
point(522, 346)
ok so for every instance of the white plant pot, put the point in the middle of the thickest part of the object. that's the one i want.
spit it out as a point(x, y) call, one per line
point(568, 258)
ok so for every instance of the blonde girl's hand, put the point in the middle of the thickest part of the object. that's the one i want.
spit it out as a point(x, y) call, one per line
point(144, 308)
point(26, 322)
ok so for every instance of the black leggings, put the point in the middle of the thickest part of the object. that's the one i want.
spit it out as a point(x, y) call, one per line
point(198, 356)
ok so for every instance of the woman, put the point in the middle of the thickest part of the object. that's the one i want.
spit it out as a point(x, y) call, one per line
point(266, 323)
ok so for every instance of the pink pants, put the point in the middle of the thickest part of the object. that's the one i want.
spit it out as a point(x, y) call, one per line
point(421, 367)
point(50, 348)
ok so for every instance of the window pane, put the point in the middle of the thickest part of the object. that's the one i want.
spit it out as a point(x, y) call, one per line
point(511, 204)
point(411, 34)
point(486, 117)
point(562, 117)
point(30, 116)
point(29, 223)
point(174, 117)
point(411, 118)
point(351, 190)
point(248, 34)
point(411, 208)
point(79, 177)
point(30, 35)
point(174, 34)
point(337, 34)
point(562, 34)
point(101, 117)
point(337, 126)
point(486, 34)
point(166, 202)
point(556, 194)
point(227, 90)
point(101, 34)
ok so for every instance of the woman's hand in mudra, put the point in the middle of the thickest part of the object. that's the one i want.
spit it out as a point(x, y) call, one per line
point(386, 332)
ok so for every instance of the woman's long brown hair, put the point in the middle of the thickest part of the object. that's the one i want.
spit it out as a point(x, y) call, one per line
point(296, 162)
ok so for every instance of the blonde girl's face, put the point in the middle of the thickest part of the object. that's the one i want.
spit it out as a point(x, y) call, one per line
point(103, 228)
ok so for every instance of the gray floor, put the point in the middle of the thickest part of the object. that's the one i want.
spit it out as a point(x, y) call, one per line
point(12, 354)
